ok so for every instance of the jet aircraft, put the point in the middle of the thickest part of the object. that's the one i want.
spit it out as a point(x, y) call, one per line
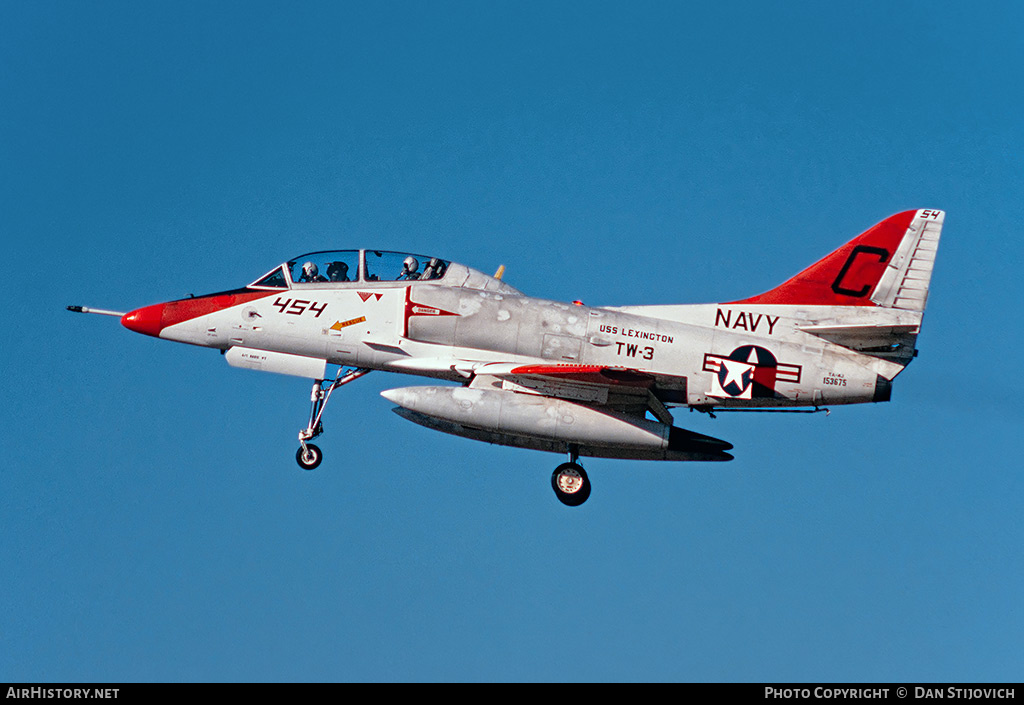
point(565, 377)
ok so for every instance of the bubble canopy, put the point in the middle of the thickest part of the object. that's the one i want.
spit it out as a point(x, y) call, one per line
point(333, 267)
point(343, 269)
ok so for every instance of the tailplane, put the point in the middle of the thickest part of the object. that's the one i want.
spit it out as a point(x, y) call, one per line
point(889, 265)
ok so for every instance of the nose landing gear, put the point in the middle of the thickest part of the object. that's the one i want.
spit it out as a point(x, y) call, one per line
point(309, 455)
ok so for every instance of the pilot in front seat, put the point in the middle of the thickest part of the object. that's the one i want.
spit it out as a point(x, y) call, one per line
point(409, 268)
point(311, 273)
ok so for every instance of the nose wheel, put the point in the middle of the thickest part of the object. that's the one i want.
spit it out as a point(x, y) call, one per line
point(309, 456)
point(570, 481)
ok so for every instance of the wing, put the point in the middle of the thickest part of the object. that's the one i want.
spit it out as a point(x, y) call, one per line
point(620, 388)
point(597, 410)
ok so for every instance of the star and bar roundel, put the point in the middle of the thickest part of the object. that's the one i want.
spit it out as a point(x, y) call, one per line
point(748, 372)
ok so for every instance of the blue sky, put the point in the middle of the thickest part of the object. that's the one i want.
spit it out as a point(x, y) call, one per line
point(153, 523)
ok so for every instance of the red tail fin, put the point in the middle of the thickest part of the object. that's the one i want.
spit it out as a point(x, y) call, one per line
point(848, 276)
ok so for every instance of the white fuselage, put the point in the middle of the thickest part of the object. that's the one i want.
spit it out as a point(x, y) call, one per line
point(434, 330)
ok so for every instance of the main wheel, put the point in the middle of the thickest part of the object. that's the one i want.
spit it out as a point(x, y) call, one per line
point(571, 484)
point(309, 457)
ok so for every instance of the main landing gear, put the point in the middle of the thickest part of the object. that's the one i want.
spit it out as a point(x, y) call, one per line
point(570, 481)
point(309, 455)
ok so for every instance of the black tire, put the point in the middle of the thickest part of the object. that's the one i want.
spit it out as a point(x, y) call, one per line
point(312, 457)
point(574, 488)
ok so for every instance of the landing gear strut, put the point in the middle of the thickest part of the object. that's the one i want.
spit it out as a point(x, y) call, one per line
point(310, 455)
point(570, 481)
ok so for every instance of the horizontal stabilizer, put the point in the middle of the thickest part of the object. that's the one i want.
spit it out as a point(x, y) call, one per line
point(859, 337)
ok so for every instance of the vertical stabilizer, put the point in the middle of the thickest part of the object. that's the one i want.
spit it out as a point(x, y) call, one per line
point(888, 265)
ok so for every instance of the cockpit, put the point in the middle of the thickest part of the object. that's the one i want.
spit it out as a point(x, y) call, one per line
point(335, 268)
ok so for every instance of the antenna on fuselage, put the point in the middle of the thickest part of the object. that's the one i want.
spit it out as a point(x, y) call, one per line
point(500, 272)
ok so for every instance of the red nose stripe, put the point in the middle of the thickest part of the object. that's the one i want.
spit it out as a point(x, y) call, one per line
point(153, 319)
point(187, 309)
point(145, 320)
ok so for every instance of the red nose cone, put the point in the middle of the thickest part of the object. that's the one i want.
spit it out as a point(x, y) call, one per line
point(145, 320)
